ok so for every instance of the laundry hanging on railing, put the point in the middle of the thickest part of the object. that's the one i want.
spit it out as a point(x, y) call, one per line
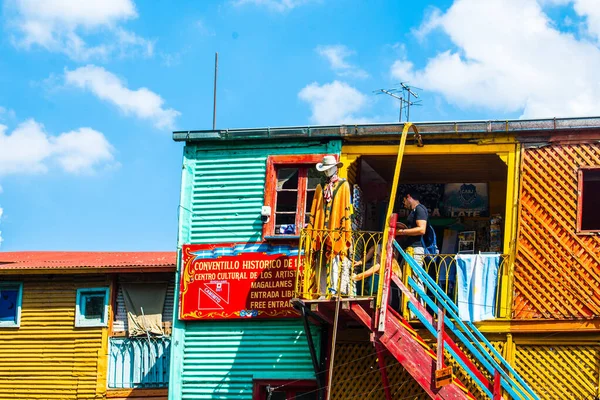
point(477, 280)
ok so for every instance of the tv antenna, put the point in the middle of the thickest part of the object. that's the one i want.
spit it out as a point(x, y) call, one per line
point(403, 94)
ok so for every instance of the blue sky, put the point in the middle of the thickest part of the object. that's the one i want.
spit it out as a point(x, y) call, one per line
point(91, 91)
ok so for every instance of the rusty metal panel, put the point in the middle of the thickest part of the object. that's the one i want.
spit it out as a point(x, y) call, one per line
point(47, 357)
point(557, 272)
point(560, 371)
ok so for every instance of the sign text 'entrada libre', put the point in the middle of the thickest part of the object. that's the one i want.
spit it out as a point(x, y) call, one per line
point(217, 283)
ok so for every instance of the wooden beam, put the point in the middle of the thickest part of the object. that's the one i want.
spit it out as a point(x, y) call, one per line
point(349, 151)
point(535, 326)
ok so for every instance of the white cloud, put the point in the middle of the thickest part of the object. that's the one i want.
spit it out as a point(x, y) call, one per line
point(274, 5)
point(334, 103)
point(509, 58)
point(590, 10)
point(64, 26)
point(143, 103)
point(1, 211)
point(336, 56)
point(29, 149)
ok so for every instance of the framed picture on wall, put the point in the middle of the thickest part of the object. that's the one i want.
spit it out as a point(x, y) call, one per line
point(466, 242)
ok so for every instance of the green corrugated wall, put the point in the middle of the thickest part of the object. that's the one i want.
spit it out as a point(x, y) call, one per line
point(221, 359)
point(223, 189)
point(221, 198)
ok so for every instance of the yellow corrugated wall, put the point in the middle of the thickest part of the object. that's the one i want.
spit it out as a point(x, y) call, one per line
point(47, 357)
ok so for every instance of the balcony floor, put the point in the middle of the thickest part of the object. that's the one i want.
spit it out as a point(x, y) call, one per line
point(353, 312)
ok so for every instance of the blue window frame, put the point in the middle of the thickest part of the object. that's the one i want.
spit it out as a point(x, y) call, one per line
point(91, 309)
point(11, 296)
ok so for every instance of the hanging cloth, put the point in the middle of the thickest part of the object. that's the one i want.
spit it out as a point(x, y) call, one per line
point(151, 298)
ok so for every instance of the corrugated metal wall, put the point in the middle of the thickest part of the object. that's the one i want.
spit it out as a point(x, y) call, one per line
point(221, 199)
point(225, 189)
point(556, 270)
point(222, 358)
point(47, 357)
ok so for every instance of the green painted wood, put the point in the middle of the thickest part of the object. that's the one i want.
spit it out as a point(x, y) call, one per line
point(221, 359)
point(223, 188)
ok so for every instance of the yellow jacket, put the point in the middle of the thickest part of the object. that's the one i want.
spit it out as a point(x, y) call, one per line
point(330, 223)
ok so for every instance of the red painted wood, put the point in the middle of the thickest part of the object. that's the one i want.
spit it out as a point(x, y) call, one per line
point(497, 386)
point(414, 358)
point(270, 194)
point(383, 370)
point(472, 367)
point(361, 315)
point(440, 339)
point(579, 198)
point(447, 339)
point(299, 160)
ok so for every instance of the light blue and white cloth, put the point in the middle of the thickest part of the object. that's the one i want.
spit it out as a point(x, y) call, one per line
point(477, 280)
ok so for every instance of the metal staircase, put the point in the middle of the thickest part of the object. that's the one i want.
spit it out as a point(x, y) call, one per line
point(475, 355)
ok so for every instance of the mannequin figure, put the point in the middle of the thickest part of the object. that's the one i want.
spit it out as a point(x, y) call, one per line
point(330, 228)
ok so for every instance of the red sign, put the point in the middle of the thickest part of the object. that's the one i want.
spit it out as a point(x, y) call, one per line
point(246, 285)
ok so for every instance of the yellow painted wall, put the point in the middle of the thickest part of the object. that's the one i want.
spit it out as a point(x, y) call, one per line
point(47, 357)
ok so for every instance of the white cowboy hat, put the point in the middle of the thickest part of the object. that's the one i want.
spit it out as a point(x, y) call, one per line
point(328, 162)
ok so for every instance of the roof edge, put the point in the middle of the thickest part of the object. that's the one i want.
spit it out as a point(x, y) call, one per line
point(382, 129)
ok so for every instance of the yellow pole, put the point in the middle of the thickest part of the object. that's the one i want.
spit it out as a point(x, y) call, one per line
point(390, 209)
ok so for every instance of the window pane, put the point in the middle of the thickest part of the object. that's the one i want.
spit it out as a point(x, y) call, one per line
point(286, 201)
point(314, 178)
point(312, 395)
point(287, 178)
point(93, 307)
point(9, 297)
point(278, 396)
point(285, 224)
point(310, 195)
point(590, 212)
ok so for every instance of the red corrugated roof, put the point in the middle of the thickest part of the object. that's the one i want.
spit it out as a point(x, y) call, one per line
point(72, 260)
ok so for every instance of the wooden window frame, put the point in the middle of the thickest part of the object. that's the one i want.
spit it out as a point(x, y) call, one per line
point(580, 172)
point(292, 384)
point(82, 323)
point(17, 323)
point(273, 163)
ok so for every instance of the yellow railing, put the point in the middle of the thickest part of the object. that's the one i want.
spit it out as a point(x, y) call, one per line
point(332, 263)
point(442, 269)
point(348, 263)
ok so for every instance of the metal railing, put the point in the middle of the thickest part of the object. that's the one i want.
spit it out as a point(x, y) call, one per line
point(442, 268)
point(139, 362)
point(431, 305)
point(348, 263)
point(332, 262)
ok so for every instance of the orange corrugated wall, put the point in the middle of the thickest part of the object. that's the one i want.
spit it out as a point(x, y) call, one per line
point(557, 272)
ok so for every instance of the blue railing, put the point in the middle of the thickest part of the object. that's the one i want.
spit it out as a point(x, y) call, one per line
point(139, 362)
point(467, 334)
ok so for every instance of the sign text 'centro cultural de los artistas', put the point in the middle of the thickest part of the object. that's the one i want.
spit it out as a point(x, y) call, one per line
point(242, 285)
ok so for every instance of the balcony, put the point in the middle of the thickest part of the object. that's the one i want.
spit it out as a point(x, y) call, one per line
point(139, 362)
point(331, 259)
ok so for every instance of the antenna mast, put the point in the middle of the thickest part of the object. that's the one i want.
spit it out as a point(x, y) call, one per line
point(404, 95)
